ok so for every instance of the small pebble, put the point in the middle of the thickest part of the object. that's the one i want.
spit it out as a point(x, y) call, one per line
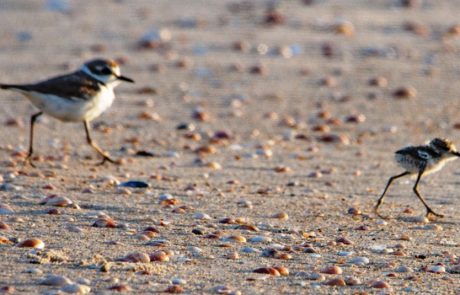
point(159, 255)
point(405, 92)
point(314, 276)
point(195, 251)
point(359, 118)
point(225, 290)
point(120, 288)
point(281, 216)
point(344, 241)
point(245, 204)
point(378, 82)
point(249, 250)
point(35, 271)
point(339, 282)
point(405, 237)
point(436, 269)
point(268, 270)
point(380, 285)
point(201, 115)
point(134, 184)
point(280, 169)
point(359, 261)
point(403, 269)
point(259, 69)
point(352, 281)
point(7, 290)
point(214, 165)
point(202, 216)
point(4, 226)
point(259, 239)
point(198, 231)
point(84, 281)
point(74, 229)
point(332, 270)
point(53, 211)
point(136, 257)
point(282, 270)
point(105, 221)
point(381, 222)
point(55, 280)
point(274, 17)
point(418, 219)
point(57, 201)
point(345, 28)
point(248, 227)
point(235, 238)
point(410, 3)
point(175, 289)
point(5, 241)
point(76, 289)
point(354, 211)
point(232, 256)
point(32, 243)
point(435, 227)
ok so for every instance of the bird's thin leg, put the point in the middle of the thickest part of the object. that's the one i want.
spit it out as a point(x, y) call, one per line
point(105, 155)
point(428, 209)
point(31, 138)
point(380, 200)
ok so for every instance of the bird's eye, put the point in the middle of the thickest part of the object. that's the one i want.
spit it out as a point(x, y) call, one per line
point(106, 71)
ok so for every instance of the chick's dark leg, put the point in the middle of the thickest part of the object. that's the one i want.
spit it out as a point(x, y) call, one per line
point(428, 209)
point(380, 200)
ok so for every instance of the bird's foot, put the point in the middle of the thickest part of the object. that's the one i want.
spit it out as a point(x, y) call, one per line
point(29, 161)
point(431, 212)
point(107, 158)
point(376, 211)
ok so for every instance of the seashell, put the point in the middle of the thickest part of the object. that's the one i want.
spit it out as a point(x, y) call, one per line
point(57, 201)
point(136, 257)
point(31, 243)
point(55, 280)
point(76, 289)
point(332, 270)
point(339, 282)
point(268, 270)
point(159, 255)
point(380, 285)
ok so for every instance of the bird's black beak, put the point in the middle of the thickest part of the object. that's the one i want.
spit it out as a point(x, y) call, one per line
point(456, 154)
point(126, 79)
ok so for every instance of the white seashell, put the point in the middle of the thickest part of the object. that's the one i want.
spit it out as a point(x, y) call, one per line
point(55, 280)
point(359, 260)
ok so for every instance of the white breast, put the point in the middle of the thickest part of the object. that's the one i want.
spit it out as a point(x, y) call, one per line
point(436, 166)
point(100, 104)
point(72, 109)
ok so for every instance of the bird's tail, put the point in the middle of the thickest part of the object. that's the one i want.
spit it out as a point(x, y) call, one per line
point(11, 86)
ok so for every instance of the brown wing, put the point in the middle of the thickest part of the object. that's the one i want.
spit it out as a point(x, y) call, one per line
point(77, 85)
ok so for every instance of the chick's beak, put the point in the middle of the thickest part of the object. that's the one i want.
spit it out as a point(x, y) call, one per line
point(455, 153)
point(123, 78)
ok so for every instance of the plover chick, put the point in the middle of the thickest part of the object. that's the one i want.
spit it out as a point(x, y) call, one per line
point(80, 96)
point(422, 160)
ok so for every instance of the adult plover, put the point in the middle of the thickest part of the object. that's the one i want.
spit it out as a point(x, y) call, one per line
point(80, 96)
point(422, 160)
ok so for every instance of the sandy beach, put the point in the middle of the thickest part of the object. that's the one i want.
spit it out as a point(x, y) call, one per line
point(254, 145)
